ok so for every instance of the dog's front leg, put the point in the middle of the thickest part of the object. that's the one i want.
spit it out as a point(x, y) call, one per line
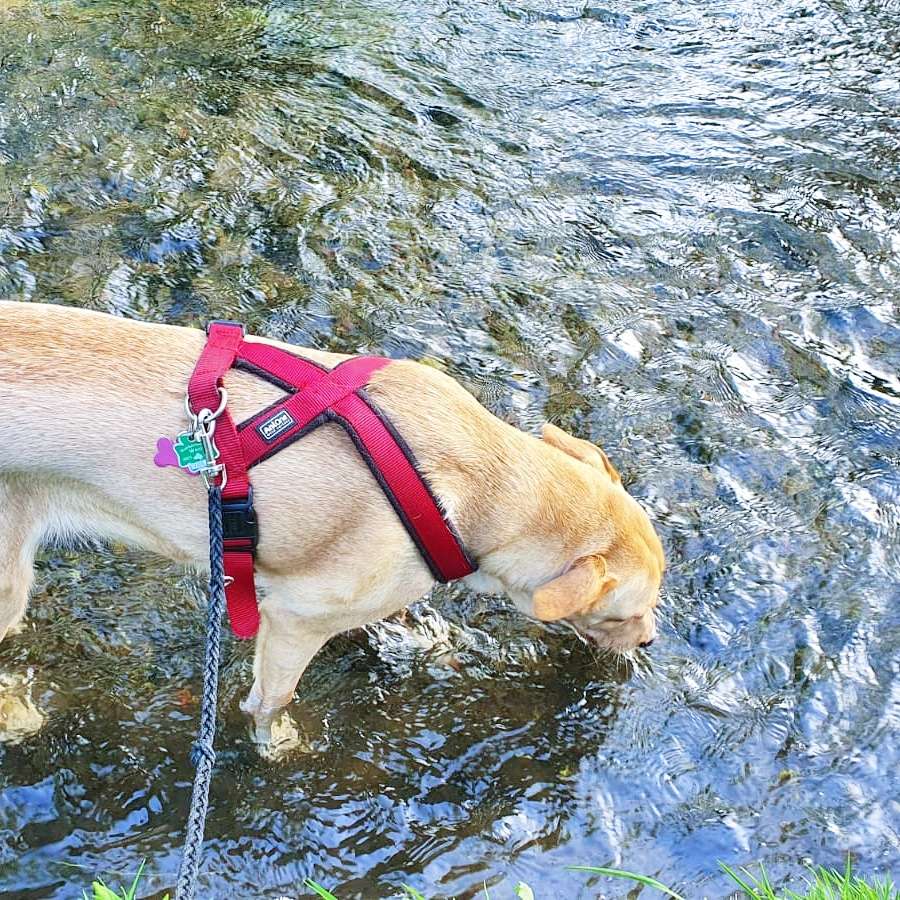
point(284, 646)
point(22, 511)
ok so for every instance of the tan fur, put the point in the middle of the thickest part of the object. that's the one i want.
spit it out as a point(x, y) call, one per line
point(84, 396)
point(583, 585)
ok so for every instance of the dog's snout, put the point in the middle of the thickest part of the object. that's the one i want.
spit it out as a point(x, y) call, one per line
point(647, 643)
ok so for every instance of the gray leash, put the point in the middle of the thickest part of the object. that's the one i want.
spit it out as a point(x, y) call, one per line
point(203, 756)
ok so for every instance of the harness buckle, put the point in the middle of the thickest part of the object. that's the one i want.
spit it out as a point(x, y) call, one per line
point(226, 322)
point(239, 524)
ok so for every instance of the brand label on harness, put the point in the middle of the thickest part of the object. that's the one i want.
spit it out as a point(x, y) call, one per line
point(278, 424)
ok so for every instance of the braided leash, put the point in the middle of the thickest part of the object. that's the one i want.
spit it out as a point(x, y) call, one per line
point(203, 756)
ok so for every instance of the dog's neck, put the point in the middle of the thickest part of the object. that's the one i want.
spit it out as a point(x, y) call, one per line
point(515, 500)
point(513, 509)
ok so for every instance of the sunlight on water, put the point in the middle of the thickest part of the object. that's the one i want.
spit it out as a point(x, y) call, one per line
point(670, 227)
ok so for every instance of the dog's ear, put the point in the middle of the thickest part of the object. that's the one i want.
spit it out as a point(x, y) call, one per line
point(611, 470)
point(584, 584)
point(584, 451)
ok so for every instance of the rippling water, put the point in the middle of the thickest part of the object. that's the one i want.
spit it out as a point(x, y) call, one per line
point(671, 227)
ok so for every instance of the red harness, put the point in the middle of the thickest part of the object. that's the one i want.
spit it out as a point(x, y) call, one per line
point(315, 395)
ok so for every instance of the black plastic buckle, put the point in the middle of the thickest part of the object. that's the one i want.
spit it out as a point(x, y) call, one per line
point(226, 322)
point(239, 523)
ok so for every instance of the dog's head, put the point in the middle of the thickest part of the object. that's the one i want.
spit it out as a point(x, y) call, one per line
point(610, 585)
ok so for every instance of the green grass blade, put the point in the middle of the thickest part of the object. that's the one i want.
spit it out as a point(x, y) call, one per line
point(764, 883)
point(322, 892)
point(412, 892)
point(523, 891)
point(102, 892)
point(134, 884)
point(645, 880)
point(750, 890)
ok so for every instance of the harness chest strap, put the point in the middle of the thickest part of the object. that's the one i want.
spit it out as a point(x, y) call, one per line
point(314, 396)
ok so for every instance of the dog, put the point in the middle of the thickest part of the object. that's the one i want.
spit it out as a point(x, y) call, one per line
point(84, 396)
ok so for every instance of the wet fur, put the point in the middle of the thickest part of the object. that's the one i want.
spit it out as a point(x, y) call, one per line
point(84, 397)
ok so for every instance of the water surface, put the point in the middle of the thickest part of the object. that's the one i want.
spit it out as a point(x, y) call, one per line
point(670, 227)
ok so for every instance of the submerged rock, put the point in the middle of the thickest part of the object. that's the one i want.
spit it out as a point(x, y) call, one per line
point(19, 717)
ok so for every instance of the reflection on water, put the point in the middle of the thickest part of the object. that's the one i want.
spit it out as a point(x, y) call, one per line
point(671, 227)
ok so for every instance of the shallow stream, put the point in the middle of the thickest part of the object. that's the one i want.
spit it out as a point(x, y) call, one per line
point(671, 227)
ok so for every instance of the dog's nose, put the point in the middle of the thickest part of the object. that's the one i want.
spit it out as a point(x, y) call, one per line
point(647, 643)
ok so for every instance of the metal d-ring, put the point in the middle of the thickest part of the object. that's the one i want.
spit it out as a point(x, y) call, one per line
point(209, 415)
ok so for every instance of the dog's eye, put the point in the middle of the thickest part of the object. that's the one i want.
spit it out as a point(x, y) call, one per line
point(600, 622)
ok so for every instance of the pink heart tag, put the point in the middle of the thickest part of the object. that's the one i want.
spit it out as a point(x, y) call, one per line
point(166, 457)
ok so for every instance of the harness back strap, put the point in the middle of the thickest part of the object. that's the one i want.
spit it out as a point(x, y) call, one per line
point(314, 396)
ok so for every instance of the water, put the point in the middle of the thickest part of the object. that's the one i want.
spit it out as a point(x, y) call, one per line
point(668, 226)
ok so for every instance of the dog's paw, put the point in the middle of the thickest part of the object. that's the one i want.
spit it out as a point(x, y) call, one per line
point(275, 732)
point(12, 630)
point(279, 738)
point(251, 705)
point(19, 717)
point(284, 738)
point(261, 733)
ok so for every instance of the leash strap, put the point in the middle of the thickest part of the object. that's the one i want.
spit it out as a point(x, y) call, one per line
point(203, 754)
point(314, 396)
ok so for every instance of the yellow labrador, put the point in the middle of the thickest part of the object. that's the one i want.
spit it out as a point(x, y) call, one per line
point(84, 396)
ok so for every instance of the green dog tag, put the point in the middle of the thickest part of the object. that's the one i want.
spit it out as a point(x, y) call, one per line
point(190, 453)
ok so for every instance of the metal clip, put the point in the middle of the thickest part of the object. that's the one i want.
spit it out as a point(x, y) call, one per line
point(203, 429)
